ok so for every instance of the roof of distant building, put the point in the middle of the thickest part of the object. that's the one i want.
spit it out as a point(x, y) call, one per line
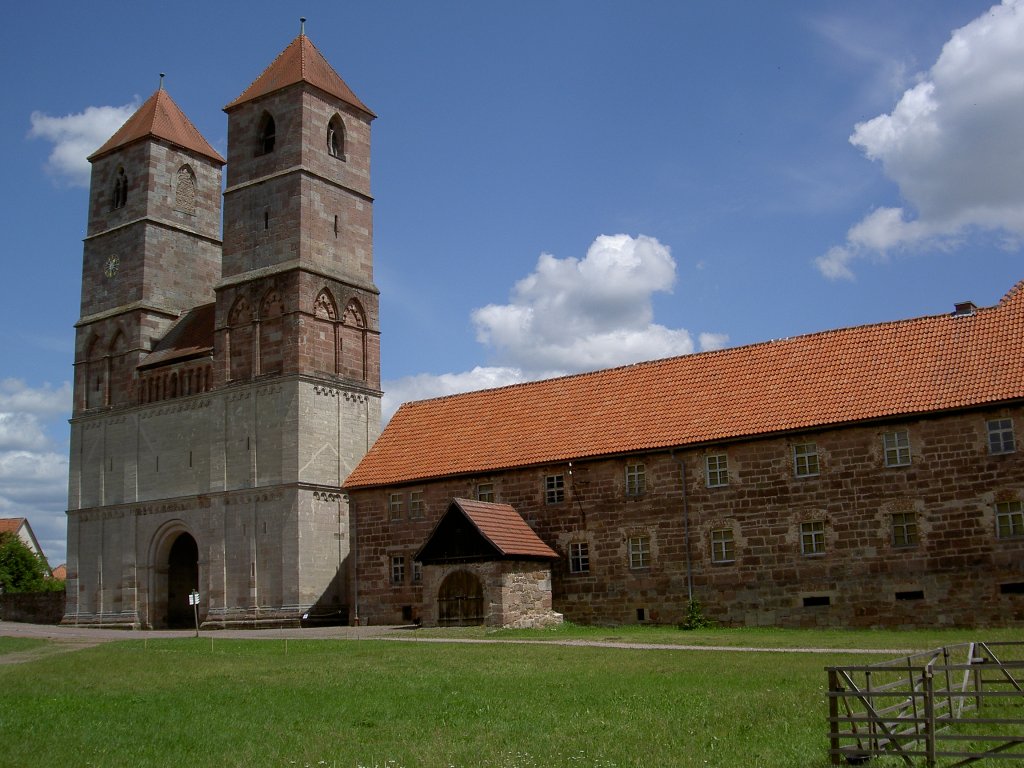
point(918, 366)
point(191, 336)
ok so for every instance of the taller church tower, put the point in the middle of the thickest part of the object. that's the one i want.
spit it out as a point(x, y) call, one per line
point(223, 393)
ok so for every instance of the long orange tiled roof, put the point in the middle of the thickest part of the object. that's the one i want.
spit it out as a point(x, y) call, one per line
point(159, 117)
point(300, 62)
point(916, 366)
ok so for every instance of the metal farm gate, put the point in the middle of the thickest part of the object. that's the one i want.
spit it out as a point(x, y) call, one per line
point(961, 702)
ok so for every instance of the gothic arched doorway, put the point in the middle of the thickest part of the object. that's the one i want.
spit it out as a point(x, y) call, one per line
point(182, 578)
point(460, 601)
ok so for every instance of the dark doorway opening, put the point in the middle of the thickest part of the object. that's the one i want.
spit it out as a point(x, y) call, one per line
point(182, 578)
point(460, 601)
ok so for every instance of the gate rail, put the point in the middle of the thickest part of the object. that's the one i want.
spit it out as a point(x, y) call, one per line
point(964, 702)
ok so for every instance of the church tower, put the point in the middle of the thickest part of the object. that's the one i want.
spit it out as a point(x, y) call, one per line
point(223, 392)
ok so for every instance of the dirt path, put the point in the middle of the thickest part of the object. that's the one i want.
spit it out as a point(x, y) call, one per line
point(71, 638)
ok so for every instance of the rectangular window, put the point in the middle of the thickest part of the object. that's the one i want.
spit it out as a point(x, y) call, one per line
point(897, 448)
point(723, 549)
point(554, 489)
point(904, 529)
point(579, 557)
point(636, 480)
point(395, 506)
point(812, 538)
point(417, 572)
point(639, 552)
point(485, 492)
point(416, 506)
point(1000, 436)
point(805, 459)
point(398, 569)
point(1009, 519)
point(717, 470)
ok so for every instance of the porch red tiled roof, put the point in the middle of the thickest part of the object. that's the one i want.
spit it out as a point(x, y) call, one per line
point(161, 118)
point(505, 528)
point(11, 524)
point(300, 62)
point(917, 366)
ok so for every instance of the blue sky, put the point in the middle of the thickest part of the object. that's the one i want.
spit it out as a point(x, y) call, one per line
point(560, 185)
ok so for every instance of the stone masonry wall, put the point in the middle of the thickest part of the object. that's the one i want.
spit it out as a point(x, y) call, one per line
point(956, 570)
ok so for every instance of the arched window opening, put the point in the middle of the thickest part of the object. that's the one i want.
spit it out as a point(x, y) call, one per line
point(325, 333)
point(185, 190)
point(271, 332)
point(353, 341)
point(336, 138)
point(240, 340)
point(268, 135)
point(120, 196)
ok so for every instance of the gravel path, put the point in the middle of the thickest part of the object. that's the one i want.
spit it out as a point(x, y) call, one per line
point(72, 638)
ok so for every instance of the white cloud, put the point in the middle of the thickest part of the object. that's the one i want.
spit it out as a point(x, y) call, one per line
point(712, 341)
point(33, 469)
point(16, 395)
point(570, 315)
point(954, 145)
point(77, 136)
point(580, 314)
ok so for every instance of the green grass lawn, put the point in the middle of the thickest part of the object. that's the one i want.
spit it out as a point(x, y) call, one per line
point(219, 702)
point(14, 644)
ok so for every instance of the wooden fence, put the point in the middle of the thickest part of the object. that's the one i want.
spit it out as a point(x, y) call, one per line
point(963, 702)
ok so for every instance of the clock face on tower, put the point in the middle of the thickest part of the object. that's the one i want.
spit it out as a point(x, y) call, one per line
point(110, 268)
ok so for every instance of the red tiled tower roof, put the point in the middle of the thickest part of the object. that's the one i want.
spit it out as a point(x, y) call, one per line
point(918, 366)
point(300, 62)
point(161, 118)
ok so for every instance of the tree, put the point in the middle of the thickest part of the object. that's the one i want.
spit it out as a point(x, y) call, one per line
point(21, 570)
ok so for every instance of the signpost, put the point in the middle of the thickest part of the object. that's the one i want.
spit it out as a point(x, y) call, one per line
point(193, 600)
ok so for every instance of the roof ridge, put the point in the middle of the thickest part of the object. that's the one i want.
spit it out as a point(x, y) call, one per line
point(710, 352)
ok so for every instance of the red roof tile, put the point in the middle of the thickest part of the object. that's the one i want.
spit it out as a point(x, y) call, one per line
point(300, 62)
point(161, 118)
point(191, 336)
point(908, 367)
point(505, 528)
point(11, 524)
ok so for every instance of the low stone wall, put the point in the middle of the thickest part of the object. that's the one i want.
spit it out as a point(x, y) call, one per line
point(32, 607)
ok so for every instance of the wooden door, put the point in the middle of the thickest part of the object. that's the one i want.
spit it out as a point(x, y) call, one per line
point(460, 601)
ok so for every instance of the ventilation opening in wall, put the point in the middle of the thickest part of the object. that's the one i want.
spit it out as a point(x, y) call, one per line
point(911, 594)
point(641, 614)
point(1012, 588)
point(406, 613)
point(812, 601)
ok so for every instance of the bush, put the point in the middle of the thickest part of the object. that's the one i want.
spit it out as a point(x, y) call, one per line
point(695, 618)
point(21, 570)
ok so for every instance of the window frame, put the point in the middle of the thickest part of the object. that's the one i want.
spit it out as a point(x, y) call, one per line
point(1012, 512)
point(417, 506)
point(998, 431)
point(804, 456)
point(812, 538)
point(395, 506)
point(638, 551)
point(636, 479)
point(398, 569)
point(723, 546)
point(554, 489)
point(579, 557)
point(896, 448)
point(720, 471)
point(905, 534)
point(481, 493)
point(417, 572)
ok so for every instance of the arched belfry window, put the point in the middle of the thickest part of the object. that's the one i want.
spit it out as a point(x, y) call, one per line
point(185, 190)
point(268, 134)
point(120, 196)
point(324, 342)
point(336, 138)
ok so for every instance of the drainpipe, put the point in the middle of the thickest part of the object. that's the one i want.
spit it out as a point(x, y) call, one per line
point(686, 525)
point(352, 550)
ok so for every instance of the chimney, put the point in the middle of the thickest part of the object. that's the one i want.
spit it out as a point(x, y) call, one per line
point(964, 309)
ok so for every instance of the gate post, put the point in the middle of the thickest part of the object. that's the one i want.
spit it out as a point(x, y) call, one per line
point(929, 717)
point(833, 716)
